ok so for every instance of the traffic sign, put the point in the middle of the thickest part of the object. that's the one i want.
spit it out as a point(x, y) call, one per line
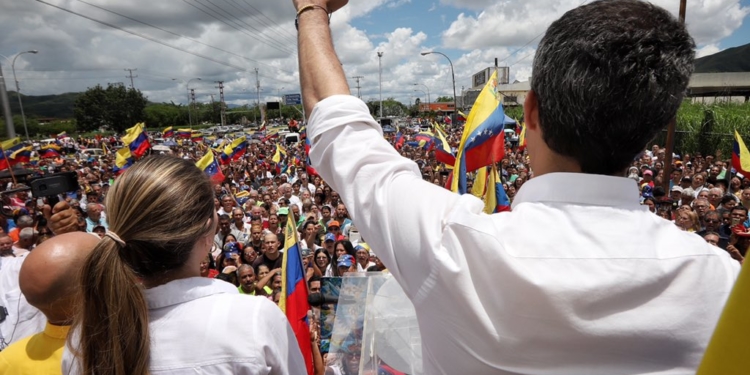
point(292, 99)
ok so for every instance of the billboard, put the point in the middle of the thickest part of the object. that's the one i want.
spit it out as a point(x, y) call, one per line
point(479, 79)
point(292, 99)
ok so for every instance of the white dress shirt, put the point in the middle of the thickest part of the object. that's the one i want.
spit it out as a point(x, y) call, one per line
point(578, 279)
point(23, 320)
point(204, 326)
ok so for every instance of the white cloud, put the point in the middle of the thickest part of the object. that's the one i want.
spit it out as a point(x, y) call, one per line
point(76, 53)
point(514, 23)
point(706, 50)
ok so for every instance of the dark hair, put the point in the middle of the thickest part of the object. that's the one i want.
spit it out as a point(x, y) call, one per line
point(608, 77)
point(313, 278)
point(740, 208)
point(728, 198)
point(324, 252)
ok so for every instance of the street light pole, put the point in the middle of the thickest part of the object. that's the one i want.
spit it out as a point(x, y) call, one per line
point(428, 91)
point(18, 89)
point(428, 100)
point(453, 75)
point(380, 78)
point(6, 107)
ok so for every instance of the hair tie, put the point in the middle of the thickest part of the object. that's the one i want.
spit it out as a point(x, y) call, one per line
point(114, 237)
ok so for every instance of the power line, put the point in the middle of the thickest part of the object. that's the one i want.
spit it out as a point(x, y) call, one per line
point(153, 39)
point(131, 76)
point(284, 30)
point(285, 38)
point(232, 26)
point(183, 36)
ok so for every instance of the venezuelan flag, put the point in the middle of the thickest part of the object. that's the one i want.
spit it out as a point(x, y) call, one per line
point(22, 155)
point(262, 127)
point(293, 300)
point(522, 138)
point(740, 155)
point(168, 132)
point(483, 139)
point(136, 140)
point(123, 161)
point(480, 183)
point(62, 135)
point(399, 141)
point(3, 161)
point(237, 148)
point(425, 140)
point(310, 170)
point(12, 144)
point(443, 151)
point(184, 133)
point(277, 156)
point(196, 136)
point(496, 199)
point(49, 151)
point(209, 165)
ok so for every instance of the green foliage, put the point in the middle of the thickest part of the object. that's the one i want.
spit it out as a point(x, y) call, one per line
point(391, 107)
point(116, 107)
point(515, 112)
point(45, 106)
point(163, 115)
point(37, 130)
point(444, 99)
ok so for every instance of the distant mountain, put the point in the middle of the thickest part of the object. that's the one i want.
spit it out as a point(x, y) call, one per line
point(736, 59)
point(45, 106)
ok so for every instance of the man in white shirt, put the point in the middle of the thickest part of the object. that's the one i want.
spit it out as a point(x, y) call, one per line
point(579, 278)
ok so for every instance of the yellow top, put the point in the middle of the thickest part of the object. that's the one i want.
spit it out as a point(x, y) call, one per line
point(37, 354)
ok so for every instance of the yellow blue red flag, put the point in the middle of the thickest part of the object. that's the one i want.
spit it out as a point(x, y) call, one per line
point(740, 156)
point(137, 140)
point(483, 139)
point(293, 298)
point(123, 160)
point(209, 165)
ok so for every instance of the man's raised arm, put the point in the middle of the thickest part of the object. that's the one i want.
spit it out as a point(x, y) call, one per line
point(320, 71)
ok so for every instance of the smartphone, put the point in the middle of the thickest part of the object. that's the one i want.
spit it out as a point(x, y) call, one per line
point(51, 186)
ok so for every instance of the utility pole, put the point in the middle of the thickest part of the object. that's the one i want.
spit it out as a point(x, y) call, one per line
point(221, 102)
point(671, 128)
point(192, 104)
point(380, 78)
point(131, 76)
point(257, 92)
point(358, 78)
point(6, 107)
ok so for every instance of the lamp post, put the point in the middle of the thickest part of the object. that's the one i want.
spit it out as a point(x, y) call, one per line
point(281, 101)
point(453, 75)
point(428, 90)
point(380, 79)
point(18, 89)
point(428, 100)
point(6, 106)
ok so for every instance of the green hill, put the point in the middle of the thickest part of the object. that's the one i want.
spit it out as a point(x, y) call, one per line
point(736, 59)
point(44, 106)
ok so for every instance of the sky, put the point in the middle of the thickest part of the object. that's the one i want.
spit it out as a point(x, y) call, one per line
point(171, 42)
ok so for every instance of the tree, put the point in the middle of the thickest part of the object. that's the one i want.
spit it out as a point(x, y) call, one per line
point(445, 99)
point(116, 107)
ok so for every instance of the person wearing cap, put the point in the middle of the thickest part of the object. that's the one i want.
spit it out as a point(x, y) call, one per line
point(362, 254)
point(328, 241)
point(346, 263)
point(675, 194)
point(491, 294)
point(648, 178)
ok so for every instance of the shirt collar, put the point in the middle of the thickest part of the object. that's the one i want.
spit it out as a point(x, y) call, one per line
point(580, 188)
point(183, 290)
point(56, 332)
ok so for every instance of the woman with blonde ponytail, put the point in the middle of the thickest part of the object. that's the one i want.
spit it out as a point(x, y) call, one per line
point(146, 310)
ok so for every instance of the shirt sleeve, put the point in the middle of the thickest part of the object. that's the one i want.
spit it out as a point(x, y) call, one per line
point(399, 214)
point(282, 354)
